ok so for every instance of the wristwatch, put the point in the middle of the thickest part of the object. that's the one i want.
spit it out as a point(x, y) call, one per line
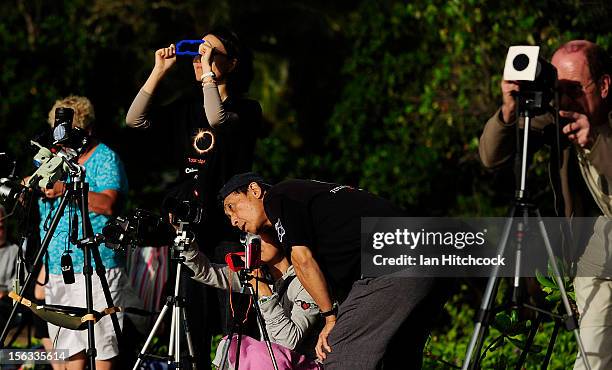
point(333, 311)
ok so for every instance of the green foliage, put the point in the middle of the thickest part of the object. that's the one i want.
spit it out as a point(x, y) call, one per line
point(390, 95)
point(422, 77)
point(551, 287)
point(505, 340)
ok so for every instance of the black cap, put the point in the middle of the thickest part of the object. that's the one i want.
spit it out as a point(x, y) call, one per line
point(238, 181)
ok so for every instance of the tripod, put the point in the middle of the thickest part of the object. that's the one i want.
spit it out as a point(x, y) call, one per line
point(18, 273)
point(77, 190)
point(177, 304)
point(244, 277)
point(520, 213)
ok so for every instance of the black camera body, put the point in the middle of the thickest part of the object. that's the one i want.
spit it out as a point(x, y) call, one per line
point(10, 190)
point(143, 229)
point(62, 125)
point(536, 76)
point(187, 211)
point(67, 135)
point(10, 186)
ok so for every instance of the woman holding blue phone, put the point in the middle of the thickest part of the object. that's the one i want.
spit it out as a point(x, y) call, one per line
point(213, 130)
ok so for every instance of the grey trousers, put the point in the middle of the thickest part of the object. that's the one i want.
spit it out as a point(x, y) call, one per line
point(594, 299)
point(593, 287)
point(384, 323)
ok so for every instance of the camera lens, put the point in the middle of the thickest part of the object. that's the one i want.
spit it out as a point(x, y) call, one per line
point(520, 62)
point(9, 190)
point(5, 192)
point(115, 233)
point(62, 124)
point(186, 211)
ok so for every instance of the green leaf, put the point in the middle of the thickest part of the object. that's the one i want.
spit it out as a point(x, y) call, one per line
point(545, 281)
point(500, 343)
point(502, 322)
point(554, 297)
point(514, 316)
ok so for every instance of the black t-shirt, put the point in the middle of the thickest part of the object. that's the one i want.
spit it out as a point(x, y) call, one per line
point(326, 218)
point(208, 157)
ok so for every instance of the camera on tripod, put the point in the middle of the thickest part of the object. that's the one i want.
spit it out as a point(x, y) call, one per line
point(10, 186)
point(53, 164)
point(61, 158)
point(142, 229)
point(185, 211)
point(65, 134)
point(248, 260)
point(537, 78)
point(10, 190)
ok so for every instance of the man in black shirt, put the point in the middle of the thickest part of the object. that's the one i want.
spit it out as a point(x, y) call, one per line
point(380, 320)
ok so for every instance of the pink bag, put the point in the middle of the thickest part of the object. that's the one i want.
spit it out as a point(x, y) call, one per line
point(254, 355)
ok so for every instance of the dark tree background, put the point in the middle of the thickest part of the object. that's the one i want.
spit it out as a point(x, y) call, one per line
point(390, 96)
point(387, 95)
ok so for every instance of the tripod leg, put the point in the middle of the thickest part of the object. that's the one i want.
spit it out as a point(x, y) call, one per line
point(561, 284)
point(158, 322)
point(87, 232)
point(101, 272)
point(520, 234)
point(532, 333)
point(91, 338)
point(173, 326)
point(173, 303)
point(551, 345)
point(177, 335)
point(172, 335)
point(189, 341)
point(226, 348)
point(176, 317)
point(487, 299)
point(238, 343)
point(262, 327)
point(37, 262)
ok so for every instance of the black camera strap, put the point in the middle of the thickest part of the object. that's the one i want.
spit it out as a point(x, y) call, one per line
point(51, 204)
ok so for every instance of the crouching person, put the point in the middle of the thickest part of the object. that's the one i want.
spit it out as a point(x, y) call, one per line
point(290, 314)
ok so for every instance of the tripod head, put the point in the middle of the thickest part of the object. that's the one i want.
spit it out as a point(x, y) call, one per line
point(54, 165)
point(184, 236)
